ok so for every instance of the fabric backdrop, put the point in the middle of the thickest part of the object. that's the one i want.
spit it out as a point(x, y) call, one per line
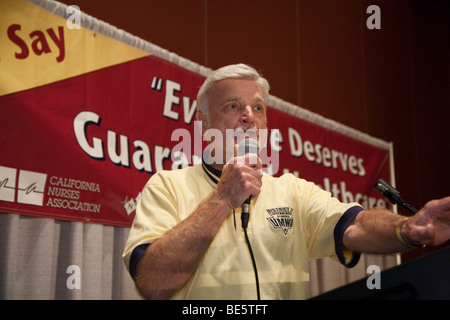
point(88, 113)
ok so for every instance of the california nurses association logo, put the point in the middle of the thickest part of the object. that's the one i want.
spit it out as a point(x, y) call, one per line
point(29, 186)
point(281, 218)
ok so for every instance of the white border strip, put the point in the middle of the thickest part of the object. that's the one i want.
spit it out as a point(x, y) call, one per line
point(108, 30)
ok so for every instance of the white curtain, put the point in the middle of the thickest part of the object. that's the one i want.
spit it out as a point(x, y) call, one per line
point(37, 252)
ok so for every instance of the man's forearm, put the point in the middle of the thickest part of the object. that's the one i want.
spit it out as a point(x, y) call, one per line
point(374, 231)
point(171, 260)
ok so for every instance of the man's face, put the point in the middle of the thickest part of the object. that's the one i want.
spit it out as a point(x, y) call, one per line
point(235, 104)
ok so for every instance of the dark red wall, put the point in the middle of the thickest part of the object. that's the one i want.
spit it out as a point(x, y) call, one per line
point(391, 83)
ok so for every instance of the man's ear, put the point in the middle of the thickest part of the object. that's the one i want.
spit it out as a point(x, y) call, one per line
point(200, 116)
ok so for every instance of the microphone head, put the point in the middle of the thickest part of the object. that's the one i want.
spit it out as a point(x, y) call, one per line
point(248, 145)
point(383, 187)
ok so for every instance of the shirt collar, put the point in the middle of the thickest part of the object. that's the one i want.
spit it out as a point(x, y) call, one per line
point(212, 173)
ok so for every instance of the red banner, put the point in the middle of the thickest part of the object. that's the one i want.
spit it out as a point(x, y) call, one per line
point(81, 147)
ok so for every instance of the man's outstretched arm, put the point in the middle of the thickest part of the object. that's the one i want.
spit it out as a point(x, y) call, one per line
point(381, 231)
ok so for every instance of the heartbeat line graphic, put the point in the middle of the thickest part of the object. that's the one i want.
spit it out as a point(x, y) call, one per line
point(4, 184)
point(31, 188)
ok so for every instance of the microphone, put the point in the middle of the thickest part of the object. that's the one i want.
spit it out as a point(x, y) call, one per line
point(393, 195)
point(247, 146)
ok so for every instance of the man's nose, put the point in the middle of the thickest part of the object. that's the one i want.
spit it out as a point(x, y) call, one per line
point(247, 115)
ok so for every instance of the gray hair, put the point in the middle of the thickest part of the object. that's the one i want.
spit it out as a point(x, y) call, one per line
point(234, 71)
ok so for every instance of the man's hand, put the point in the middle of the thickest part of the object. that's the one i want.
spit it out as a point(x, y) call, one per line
point(431, 225)
point(241, 178)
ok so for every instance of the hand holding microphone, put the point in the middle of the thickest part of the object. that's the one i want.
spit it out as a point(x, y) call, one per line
point(242, 176)
point(247, 146)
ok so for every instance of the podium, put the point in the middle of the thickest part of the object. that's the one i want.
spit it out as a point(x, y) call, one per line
point(426, 278)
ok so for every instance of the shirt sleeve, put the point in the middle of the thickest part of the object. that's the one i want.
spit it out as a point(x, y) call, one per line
point(325, 219)
point(156, 214)
point(136, 256)
point(346, 257)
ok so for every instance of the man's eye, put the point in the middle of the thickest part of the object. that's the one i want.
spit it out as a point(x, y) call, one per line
point(233, 107)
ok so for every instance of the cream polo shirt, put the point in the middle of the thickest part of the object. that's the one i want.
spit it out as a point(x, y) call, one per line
point(291, 222)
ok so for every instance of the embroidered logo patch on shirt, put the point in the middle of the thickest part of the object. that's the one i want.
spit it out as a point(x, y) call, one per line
point(281, 218)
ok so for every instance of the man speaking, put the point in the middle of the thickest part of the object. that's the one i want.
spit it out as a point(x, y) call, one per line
point(188, 242)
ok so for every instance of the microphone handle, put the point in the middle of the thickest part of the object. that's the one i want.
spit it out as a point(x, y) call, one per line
point(245, 212)
point(402, 203)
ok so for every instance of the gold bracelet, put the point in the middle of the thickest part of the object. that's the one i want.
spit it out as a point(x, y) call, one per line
point(404, 241)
